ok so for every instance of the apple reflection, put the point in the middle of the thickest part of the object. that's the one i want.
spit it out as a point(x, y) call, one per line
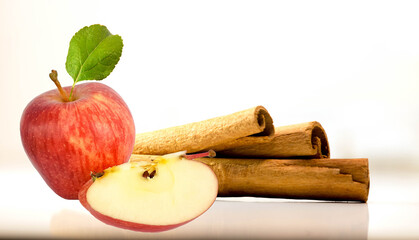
point(241, 218)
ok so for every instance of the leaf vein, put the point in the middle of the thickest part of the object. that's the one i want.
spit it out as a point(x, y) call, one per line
point(81, 67)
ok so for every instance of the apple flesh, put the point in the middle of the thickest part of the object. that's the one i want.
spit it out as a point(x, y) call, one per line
point(179, 191)
point(66, 141)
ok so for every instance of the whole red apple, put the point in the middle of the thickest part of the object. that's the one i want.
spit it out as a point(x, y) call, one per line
point(68, 140)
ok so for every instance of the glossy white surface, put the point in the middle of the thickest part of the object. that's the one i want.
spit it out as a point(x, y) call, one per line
point(30, 209)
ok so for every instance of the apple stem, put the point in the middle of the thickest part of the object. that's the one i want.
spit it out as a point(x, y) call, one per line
point(210, 153)
point(54, 77)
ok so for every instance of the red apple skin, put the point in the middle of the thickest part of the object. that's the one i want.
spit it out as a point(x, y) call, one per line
point(66, 141)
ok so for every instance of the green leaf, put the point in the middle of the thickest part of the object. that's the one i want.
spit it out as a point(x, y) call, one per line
point(93, 53)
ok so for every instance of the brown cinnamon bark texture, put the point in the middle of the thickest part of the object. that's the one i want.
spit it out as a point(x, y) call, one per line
point(304, 140)
point(322, 179)
point(319, 179)
point(246, 127)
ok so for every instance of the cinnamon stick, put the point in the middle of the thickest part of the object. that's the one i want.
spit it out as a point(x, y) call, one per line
point(320, 179)
point(303, 140)
point(249, 134)
point(249, 126)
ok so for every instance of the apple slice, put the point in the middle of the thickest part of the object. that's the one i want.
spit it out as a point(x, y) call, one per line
point(151, 196)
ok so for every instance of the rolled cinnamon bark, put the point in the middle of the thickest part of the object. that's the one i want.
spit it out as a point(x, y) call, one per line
point(250, 126)
point(318, 179)
point(304, 140)
point(322, 179)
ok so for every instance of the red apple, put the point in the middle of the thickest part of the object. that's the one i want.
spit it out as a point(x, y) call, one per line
point(151, 196)
point(67, 140)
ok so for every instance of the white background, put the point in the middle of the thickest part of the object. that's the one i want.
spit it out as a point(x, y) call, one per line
point(351, 65)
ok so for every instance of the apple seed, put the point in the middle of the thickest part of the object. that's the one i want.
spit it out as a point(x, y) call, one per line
point(95, 175)
point(152, 174)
